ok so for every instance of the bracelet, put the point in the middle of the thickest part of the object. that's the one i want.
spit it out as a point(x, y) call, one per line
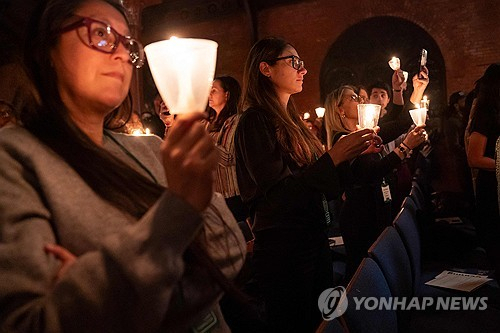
point(396, 90)
point(403, 151)
point(404, 144)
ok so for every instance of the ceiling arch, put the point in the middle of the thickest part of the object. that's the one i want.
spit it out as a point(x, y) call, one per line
point(360, 55)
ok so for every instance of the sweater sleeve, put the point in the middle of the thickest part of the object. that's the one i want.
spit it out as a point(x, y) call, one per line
point(123, 285)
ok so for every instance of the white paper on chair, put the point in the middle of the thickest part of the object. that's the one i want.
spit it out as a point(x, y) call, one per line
point(458, 281)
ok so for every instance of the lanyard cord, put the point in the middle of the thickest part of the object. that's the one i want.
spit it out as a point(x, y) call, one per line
point(129, 154)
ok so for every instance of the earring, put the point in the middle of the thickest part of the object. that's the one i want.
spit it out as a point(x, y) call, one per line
point(342, 115)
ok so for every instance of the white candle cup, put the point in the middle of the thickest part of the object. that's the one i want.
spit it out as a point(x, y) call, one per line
point(183, 70)
point(405, 74)
point(419, 116)
point(395, 63)
point(320, 112)
point(368, 115)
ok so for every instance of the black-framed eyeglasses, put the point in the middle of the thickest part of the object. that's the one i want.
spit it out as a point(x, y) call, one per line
point(296, 62)
point(102, 37)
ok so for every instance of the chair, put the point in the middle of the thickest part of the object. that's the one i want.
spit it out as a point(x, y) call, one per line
point(407, 228)
point(369, 281)
point(406, 225)
point(390, 254)
point(418, 196)
point(410, 204)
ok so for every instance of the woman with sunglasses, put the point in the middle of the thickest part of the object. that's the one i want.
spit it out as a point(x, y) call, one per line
point(366, 209)
point(138, 257)
point(286, 179)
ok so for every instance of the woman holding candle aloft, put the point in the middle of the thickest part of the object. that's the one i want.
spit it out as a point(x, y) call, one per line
point(144, 253)
point(366, 210)
point(286, 180)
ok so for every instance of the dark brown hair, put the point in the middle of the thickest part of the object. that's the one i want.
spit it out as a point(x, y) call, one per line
point(108, 176)
point(230, 85)
point(259, 92)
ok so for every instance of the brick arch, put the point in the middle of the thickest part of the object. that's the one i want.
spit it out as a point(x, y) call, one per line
point(360, 55)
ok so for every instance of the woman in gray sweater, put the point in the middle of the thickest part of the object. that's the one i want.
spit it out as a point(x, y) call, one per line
point(148, 258)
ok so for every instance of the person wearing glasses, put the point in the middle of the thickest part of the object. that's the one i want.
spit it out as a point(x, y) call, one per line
point(286, 179)
point(163, 112)
point(366, 209)
point(137, 256)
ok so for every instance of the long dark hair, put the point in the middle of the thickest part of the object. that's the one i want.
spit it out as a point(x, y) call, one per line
point(108, 176)
point(51, 122)
point(230, 85)
point(258, 91)
point(488, 92)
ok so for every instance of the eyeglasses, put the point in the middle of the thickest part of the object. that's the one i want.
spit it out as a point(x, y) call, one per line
point(102, 37)
point(296, 62)
point(354, 97)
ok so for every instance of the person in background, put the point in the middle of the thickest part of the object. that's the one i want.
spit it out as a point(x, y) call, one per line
point(163, 113)
point(224, 98)
point(453, 121)
point(364, 98)
point(453, 158)
point(398, 120)
point(151, 120)
point(484, 132)
point(366, 210)
point(286, 180)
point(142, 257)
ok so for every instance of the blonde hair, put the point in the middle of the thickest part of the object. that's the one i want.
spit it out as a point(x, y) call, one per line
point(333, 120)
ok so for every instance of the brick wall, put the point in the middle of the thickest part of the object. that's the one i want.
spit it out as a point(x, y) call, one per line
point(467, 33)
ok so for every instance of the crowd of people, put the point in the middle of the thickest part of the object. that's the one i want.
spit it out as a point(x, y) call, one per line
point(101, 231)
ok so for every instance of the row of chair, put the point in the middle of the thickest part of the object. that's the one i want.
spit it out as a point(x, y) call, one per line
point(393, 267)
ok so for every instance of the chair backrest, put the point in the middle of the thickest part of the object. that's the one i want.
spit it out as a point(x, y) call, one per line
point(369, 281)
point(410, 204)
point(406, 225)
point(418, 196)
point(390, 254)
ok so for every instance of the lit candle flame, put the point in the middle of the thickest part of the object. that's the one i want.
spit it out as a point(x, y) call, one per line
point(320, 112)
point(136, 132)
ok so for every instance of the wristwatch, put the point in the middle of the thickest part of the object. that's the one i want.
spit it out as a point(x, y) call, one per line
point(403, 150)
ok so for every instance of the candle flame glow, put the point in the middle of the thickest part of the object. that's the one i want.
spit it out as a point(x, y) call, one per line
point(137, 132)
point(320, 112)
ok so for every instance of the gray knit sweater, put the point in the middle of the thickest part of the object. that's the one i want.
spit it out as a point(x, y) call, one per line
point(130, 275)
